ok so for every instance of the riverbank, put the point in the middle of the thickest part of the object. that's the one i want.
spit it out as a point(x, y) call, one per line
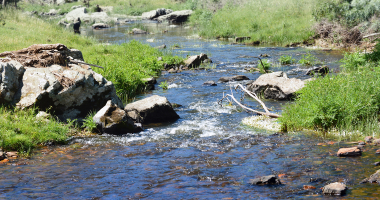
point(125, 65)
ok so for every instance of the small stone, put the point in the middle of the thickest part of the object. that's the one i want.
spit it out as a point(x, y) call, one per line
point(361, 143)
point(2, 155)
point(309, 187)
point(378, 151)
point(360, 147)
point(210, 83)
point(376, 142)
point(266, 180)
point(353, 151)
point(335, 189)
point(12, 154)
point(377, 163)
point(368, 139)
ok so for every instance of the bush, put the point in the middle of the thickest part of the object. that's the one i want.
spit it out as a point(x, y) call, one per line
point(308, 59)
point(286, 60)
point(349, 101)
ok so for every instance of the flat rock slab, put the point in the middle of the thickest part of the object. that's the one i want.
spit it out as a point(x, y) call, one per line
point(153, 109)
point(100, 26)
point(349, 152)
point(266, 180)
point(176, 17)
point(276, 85)
point(335, 189)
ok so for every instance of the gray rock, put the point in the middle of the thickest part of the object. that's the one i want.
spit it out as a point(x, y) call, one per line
point(149, 83)
point(100, 26)
point(42, 115)
point(75, 54)
point(176, 17)
point(276, 85)
point(368, 139)
point(374, 178)
point(266, 180)
point(322, 70)
point(376, 141)
point(138, 31)
point(349, 152)
point(10, 80)
point(195, 61)
point(2, 155)
point(161, 47)
point(69, 92)
point(149, 15)
point(151, 110)
point(96, 17)
point(242, 39)
point(210, 83)
point(335, 189)
point(111, 119)
point(233, 78)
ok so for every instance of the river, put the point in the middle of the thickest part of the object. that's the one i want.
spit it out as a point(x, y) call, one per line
point(207, 153)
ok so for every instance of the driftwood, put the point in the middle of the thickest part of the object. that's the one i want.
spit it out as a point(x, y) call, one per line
point(370, 35)
point(254, 96)
point(43, 55)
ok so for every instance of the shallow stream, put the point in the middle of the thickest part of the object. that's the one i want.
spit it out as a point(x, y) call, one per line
point(207, 153)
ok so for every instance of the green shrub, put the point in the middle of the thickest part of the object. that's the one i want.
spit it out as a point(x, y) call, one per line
point(88, 123)
point(164, 85)
point(308, 59)
point(286, 60)
point(264, 65)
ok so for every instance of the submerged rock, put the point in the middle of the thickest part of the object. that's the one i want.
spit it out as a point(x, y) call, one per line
point(233, 78)
point(153, 109)
point(100, 26)
point(335, 189)
point(374, 178)
point(266, 180)
point(210, 83)
point(348, 152)
point(111, 119)
point(138, 31)
point(276, 85)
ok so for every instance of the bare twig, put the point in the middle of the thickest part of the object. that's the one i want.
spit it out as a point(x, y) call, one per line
point(267, 113)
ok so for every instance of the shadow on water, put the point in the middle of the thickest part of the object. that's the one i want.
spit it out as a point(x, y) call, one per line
point(206, 154)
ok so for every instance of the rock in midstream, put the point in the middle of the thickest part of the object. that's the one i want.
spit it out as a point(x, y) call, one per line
point(112, 119)
point(233, 78)
point(266, 180)
point(276, 86)
point(153, 109)
point(335, 189)
point(349, 152)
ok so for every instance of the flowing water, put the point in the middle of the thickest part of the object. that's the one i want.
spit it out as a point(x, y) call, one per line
point(206, 154)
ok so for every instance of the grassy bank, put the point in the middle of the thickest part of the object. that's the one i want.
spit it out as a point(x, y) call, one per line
point(346, 104)
point(125, 65)
point(274, 21)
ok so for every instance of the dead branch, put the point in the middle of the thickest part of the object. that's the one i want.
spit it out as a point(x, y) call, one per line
point(254, 96)
point(370, 35)
point(80, 62)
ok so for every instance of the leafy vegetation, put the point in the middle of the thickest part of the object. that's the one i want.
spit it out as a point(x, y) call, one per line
point(164, 85)
point(347, 102)
point(88, 123)
point(308, 59)
point(286, 60)
point(264, 65)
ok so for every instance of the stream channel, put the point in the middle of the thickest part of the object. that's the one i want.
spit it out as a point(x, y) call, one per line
point(207, 153)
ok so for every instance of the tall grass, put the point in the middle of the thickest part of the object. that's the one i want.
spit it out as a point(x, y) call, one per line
point(347, 103)
point(270, 21)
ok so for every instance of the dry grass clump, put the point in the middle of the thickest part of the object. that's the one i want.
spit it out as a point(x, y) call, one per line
point(336, 33)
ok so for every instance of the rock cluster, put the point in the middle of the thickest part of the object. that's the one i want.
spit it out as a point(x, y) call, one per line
point(266, 180)
point(163, 14)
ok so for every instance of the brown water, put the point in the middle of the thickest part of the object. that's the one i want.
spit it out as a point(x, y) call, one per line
point(206, 154)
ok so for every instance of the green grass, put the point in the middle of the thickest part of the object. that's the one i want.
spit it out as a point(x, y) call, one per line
point(22, 132)
point(125, 65)
point(346, 104)
point(286, 60)
point(274, 21)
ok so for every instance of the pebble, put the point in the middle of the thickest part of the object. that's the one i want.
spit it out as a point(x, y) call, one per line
point(12, 154)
